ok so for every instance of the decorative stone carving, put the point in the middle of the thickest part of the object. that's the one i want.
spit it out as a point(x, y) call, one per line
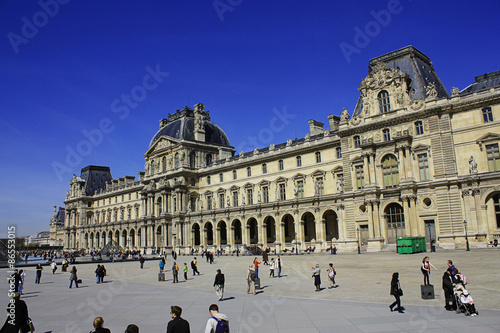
point(307, 137)
point(288, 142)
point(454, 91)
point(256, 151)
point(271, 146)
point(259, 197)
point(242, 153)
point(417, 104)
point(344, 115)
point(356, 120)
point(228, 201)
point(472, 165)
point(326, 132)
point(430, 91)
point(340, 185)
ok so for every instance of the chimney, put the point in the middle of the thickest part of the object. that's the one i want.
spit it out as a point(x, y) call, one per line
point(199, 128)
point(315, 127)
point(334, 122)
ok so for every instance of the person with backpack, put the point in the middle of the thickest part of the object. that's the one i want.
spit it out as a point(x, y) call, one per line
point(251, 279)
point(98, 274)
point(175, 273)
point(218, 322)
point(331, 277)
point(194, 266)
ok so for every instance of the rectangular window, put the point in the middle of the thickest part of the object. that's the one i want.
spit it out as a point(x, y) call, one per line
point(487, 115)
point(423, 166)
point(264, 168)
point(282, 190)
point(360, 176)
point(250, 196)
point(221, 200)
point(208, 180)
point(235, 198)
point(493, 157)
point(221, 177)
point(209, 202)
point(249, 172)
point(193, 204)
point(299, 161)
point(265, 193)
point(419, 128)
point(300, 188)
point(339, 152)
point(320, 185)
point(281, 165)
point(318, 157)
point(387, 134)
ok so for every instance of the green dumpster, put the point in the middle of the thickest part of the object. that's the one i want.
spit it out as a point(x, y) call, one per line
point(411, 245)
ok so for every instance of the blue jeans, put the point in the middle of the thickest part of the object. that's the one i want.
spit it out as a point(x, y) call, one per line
point(71, 283)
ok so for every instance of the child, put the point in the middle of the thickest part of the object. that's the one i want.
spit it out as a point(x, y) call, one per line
point(185, 271)
point(468, 302)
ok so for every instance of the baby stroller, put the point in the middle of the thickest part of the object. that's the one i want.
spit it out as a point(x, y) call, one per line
point(464, 301)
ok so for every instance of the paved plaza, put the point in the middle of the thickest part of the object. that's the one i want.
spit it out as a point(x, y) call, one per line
point(287, 304)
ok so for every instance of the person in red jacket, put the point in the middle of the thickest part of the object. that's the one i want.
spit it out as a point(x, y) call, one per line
point(256, 265)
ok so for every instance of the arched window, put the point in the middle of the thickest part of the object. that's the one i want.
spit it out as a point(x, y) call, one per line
point(383, 101)
point(164, 164)
point(209, 159)
point(318, 157)
point(176, 160)
point(357, 141)
point(249, 172)
point(390, 171)
point(192, 160)
point(387, 134)
point(299, 161)
point(264, 168)
point(281, 165)
point(235, 175)
point(496, 205)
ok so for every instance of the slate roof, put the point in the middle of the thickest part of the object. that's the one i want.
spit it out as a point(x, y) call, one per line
point(95, 178)
point(485, 81)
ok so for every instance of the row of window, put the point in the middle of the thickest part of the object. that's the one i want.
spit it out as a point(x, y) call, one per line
point(281, 166)
point(419, 130)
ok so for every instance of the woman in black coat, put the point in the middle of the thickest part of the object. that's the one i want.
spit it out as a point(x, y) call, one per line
point(396, 292)
point(448, 284)
point(17, 321)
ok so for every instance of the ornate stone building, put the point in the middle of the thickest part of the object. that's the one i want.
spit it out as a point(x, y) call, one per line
point(412, 160)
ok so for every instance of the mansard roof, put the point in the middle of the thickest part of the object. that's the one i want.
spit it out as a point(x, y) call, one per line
point(486, 81)
point(95, 178)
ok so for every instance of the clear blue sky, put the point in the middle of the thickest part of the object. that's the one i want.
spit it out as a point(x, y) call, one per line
point(65, 72)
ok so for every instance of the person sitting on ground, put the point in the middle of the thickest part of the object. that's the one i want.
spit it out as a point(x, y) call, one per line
point(218, 322)
point(468, 302)
point(132, 329)
point(98, 323)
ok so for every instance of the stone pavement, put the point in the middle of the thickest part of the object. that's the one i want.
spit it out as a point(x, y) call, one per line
point(287, 304)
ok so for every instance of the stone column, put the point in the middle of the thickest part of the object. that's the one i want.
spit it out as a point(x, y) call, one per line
point(245, 230)
point(417, 228)
point(367, 171)
point(402, 162)
point(406, 211)
point(230, 237)
point(368, 206)
point(262, 227)
point(300, 234)
point(374, 169)
point(379, 229)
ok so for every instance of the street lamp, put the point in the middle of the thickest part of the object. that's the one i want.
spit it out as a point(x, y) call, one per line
point(466, 238)
point(296, 245)
point(357, 234)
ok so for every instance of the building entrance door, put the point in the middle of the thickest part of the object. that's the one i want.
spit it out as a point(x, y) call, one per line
point(430, 232)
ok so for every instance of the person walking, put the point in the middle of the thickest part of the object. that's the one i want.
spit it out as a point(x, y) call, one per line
point(103, 273)
point(256, 263)
point(175, 273)
point(272, 266)
point(219, 284)
point(426, 269)
point(251, 279)
point(177, 324)
point(397, 292)
point(331, 276)
point(22, 276)
point(316, 275)
point(142, 260)
point(39, 270)
point(185, 269)
point(279, 265)
point(218, 322)
point(98, 274)
point(194, 266)
point(98, 326)
point(450, 303)
point(53, 265)
point(73, 277)
point(20, 320)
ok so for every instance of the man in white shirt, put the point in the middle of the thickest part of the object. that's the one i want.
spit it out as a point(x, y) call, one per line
point(216, 320)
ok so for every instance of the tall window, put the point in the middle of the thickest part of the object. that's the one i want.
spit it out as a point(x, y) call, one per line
point(360, 176)
point(221, 177)
point(419, 127)
point(299, 161)
point(357, 141)
point(496, 204)
point(176, 160)
point(164, 164)
point(249, 172)
point(493, 157)
point(209, 159)
point(209, 202)
point(320, 185)
point(390, 171)
point(282, 190)
point(423, 166)
point(387, 134)
point(234, 174)
point(264, 168)
point(221, 200)
point(487, 115)
point(318, 157)
point(383, 101)
point(192, 159)
point(339, 152)
point(208, 180)
point(250, 196)
point(265, 193)
point(235, 198)
point(281, 165)
point(300, 188)
point(153, 166)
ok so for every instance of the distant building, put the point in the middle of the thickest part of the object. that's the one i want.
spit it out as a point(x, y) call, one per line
point(56, 237)
point(411, 160)
point(41, 239)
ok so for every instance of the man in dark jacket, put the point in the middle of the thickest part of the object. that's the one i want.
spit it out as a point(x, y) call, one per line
point(219, 284)
point(142, 260)
point(448, 291)
point(17, 320)
point(177, 324)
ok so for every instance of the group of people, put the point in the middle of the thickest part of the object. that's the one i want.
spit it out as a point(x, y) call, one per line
point(175, 268)
point(218, 322)
point(99, 327)
point(100, 273)
point(316, 275)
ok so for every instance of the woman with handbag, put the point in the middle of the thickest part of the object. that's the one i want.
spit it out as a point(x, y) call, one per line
point(73, 278)
point(397, 292)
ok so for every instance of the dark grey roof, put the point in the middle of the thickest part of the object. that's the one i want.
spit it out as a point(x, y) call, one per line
point(485, 81)
point(417, 66)
point(181, 126)
point(95, 178)
point(60, 216)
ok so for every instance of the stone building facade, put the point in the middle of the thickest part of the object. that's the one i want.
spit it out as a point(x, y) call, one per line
point(411, 160)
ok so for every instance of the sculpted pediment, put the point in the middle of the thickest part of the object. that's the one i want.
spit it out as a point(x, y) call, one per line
point(488, 138)
point(161, 144)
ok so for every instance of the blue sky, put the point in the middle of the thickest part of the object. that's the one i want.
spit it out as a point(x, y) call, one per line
point(67, 69)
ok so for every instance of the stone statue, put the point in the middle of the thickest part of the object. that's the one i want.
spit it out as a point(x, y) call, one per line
point(455, 91)
point(271, 146)
point(339, 185)
point(307, 137)
point(228, 201)
point(242, 153)
point(430, 91)
point(277, 193)
point(316, 188)
point(295, 191)
point(255, 151)
point(344, 116)
point(201, 205)
point(259, 197)
point(288, 142)
point(472, 165)
point(189, 206)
